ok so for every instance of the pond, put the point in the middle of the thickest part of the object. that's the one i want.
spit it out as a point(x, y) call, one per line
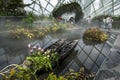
point(88, 56)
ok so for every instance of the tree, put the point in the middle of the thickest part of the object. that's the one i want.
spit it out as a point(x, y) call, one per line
point(12, 7)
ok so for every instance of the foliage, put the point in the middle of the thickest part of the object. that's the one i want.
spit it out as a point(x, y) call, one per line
point(30, 18)
point(21, 33)
point(18, 72)
point(95, 35)
point(54, 77)
point(81, 75)
point(67, 8)
point(28, 21)
point(39, 61)
point(42, 61)
point(72, 75)
point(35, 33)
point(12, 8)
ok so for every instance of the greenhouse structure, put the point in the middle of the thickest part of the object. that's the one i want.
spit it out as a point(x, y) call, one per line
point(59, 39)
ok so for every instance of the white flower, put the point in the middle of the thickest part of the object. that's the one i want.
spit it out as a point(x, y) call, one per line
point(48, 51)
point(42, 50)
point(45, 52)
point(29, 45)
point(31, 50)
point(48, 56)
point(34, 47)
point(55, 52)
point(39, 48)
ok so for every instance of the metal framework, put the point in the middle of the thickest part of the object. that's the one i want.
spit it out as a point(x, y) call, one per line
point(90, 7)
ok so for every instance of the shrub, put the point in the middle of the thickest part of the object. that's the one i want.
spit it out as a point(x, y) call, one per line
point(72, 75)
point(42, 61)
point(37, 32)
point(21, 33)
point(95, 35)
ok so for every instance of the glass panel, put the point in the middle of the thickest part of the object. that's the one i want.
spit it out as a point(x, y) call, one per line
point(106, 1)
point(81, 44)
point(99, 46)
point(88, 63)
point(74, 66)
point(95, 68)
point(100, 59)
point(82, 56)
point(50, 8)
point(94, 54)
point(86, 2)
point(87, 49)
point(106, 49)
point(43, 3)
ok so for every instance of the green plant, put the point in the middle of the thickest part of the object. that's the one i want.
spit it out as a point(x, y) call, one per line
point(42, 61)
point(72, 75)
point(54, 77)
point(29, 19)
point(12, 8)
point(36, 33)
point(21, 33)
point(81, 75)
point(95, 35)
point(18, 72)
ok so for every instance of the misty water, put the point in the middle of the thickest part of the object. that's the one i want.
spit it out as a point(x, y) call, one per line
point(88, 56)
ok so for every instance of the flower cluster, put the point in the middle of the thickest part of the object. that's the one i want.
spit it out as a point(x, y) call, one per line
point(35, 33)
point(42, 59)
point(21, 33)
point(33, 49)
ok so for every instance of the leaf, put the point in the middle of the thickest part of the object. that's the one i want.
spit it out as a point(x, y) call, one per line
point(82, 69)
point(12, 72)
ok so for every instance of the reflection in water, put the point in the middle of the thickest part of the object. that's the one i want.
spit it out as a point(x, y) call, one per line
point(88, 56)
point(69, 34)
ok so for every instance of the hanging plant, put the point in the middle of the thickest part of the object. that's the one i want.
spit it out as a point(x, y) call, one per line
point(68, 8)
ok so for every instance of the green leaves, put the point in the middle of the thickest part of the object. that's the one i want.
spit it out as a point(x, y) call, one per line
point(81, 75)
point(72, 75)
point(35, 33)
point(54, 77)
point(12, 8)
point(43, 60)
point(18, 73)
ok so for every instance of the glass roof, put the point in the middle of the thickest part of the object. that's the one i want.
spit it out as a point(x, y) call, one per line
point(89, 7)
point(44, 7)
point(41, 6)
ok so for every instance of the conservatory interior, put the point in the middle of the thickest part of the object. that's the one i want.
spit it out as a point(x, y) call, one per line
point(59, 40)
